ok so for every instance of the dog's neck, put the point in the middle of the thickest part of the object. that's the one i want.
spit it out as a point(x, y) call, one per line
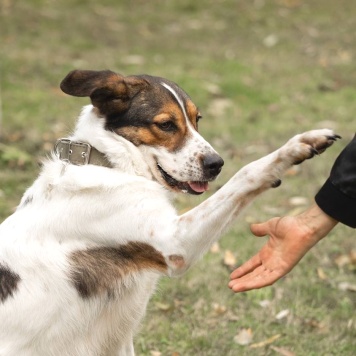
point(121, 153)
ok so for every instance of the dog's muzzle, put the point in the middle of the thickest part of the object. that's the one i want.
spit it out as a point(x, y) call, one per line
point(211, 167)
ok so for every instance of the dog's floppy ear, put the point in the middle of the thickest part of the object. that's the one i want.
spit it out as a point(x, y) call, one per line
point(102, 87)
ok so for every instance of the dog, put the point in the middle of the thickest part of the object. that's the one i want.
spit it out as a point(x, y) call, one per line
point(81, 255)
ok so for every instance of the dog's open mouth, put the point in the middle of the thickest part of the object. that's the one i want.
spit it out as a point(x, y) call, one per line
point(186, 187)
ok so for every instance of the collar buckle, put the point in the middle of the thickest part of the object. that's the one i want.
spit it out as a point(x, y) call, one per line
point(77, 153)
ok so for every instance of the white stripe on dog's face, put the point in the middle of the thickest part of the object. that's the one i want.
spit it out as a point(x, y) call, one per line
point(179, 100)
point(181, 104)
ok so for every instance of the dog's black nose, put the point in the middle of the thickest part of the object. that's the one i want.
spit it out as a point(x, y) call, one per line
point(212, 165)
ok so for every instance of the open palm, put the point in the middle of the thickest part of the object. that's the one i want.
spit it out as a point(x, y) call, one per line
point(289, 240)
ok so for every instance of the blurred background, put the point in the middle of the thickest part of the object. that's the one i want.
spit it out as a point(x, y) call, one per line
point(260, 72)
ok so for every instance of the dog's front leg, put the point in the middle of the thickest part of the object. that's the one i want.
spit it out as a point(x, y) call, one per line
point(127, 350)
point(197, 229)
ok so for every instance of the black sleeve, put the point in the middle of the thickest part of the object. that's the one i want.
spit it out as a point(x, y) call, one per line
point(337, 197)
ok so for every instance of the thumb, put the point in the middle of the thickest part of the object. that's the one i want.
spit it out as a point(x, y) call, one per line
point(263, 229)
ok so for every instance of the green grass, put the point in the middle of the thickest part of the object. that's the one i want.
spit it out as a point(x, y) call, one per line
point(260, 71)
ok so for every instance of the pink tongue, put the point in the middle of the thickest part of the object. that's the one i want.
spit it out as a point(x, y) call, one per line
point(199, 187)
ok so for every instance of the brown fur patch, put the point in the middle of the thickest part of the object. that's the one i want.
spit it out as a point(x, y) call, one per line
point(8, 282)
point(96, 270)
point(152, 135)
point(192, 112)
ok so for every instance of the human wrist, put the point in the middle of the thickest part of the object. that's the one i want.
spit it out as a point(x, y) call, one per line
point(316, 223)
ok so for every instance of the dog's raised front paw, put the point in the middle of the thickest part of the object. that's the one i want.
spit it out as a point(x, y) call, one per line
point(308, 144)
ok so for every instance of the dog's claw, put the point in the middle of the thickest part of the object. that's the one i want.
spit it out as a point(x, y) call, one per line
point(330, 140)
point(276, 183)
point(314, 152)
point(334, 137)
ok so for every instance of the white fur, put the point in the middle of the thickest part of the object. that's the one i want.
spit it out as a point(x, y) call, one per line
point(75, 207)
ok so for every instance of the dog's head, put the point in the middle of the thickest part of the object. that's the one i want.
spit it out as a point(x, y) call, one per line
point(156, 116)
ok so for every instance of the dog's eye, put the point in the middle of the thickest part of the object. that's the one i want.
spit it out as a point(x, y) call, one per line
point(167, 126)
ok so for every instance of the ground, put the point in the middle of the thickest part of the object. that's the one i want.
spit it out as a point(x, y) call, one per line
point(260, 71)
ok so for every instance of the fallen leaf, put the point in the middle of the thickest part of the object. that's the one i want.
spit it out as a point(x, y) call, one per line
point(215, 248)
point(342, 260)
point(321, 274)
point(244, 337)
point(346, 286)
point(271, 40)
point(265, 303)
point(282, 314)
point(229, 259)
point(155, 353)
point(163, 306)
point(315, 324)
point(265, 342)
point(232, 317)
point(219, 309)
point(298, 201)
point(353, 257)
point(282, 351)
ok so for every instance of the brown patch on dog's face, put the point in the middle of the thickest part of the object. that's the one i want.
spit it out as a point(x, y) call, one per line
point(8, 282)
point(96, 270)
point(155, 118)
point(193, 113)
point(166, 129)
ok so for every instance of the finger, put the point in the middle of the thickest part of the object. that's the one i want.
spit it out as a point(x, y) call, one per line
point(247, 267)
point(259, 230)
point(258, 279)
point(259, 272)
point(263, 229)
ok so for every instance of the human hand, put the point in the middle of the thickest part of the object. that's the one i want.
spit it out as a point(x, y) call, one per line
point(289, 240)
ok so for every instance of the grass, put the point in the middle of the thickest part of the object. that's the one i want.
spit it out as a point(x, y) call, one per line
point(260, 72)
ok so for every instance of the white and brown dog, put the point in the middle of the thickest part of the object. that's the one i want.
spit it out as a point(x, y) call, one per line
point(80, 257)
